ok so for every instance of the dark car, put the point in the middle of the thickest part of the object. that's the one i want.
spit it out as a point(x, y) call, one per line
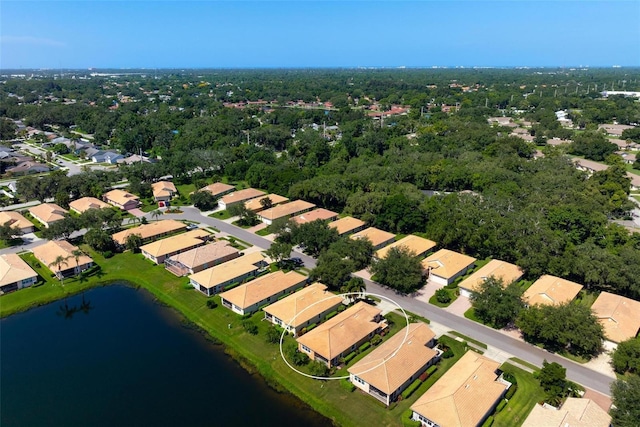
point(297, 261)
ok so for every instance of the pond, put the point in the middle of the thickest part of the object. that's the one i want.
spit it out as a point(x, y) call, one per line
point(114, 357)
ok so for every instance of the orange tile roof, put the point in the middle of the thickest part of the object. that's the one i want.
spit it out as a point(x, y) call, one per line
point(464, 394)
point(48, 253)
point(48, 212)
point(85, 203)
point(339, 333)
point(394, 362)
point(415, 244)
point(446, 263)
point(15, 219)
point(263, 287)
point(150, 230)
point(255, 205)
point(304, 305)
point(316, 214)
point(375, 235)
point(13, 269)
point(120, 197)
point(346, 224)
point(619, 316)
point(551, 290)
point(499, 269)
point(205, 254)
point(218, 188)
point(212, 277)
point(176, 243)
point(285, 210)
point(163, 189)
point(241, 196)
point(575, 412)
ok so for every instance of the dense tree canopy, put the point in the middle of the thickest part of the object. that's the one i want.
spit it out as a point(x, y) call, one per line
point(497, 304)
point(400, 269)
point(626, 402)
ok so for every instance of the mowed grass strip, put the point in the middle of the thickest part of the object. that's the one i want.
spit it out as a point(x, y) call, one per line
point(528, 394)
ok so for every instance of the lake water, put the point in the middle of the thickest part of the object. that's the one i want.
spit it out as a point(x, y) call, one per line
point(120, 359)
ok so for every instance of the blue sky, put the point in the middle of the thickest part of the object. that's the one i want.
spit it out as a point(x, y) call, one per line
point(168, 34)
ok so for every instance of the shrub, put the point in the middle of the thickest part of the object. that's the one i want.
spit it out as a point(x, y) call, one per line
point(310, 327)
point(349, 357)
point(330, 315)
point(364, 346)
point(407, 421)
point(273, 335)
point(347, 385)
point(447, 354)
point(107, 254)
point(488, 422)
point(512, 390)
point(377, 339)
point(409, 390)
point(443, 296)
point(211, 303)
point(250, 327)
point(341, 308)
point(501, 405)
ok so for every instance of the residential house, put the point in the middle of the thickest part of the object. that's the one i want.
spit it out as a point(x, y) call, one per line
point(255, 205)
point(418, 245)
point(394, 365)
point(635, 181)
point(614, 129)
point(110, 157)
point(574, 412)
point(589, 165)
point(348, 225)
point(149, 232)
point(163, 191)
point(134, 158)
point(214, 280)
point(378, 238)
point(28, 168)
point(620, 316)
point(502, 121)
point(302, 308)
point(122, 199)
point(15, 273)
point(248, 298)
point(551, 290)
point(162, 249)
point(83, 204)
point(284, 211)
point(342, 334)
point(48, 253)
point(502, 270)
point(238, 197)
point(319, 214)
point(16, 220)
point(201, 258)
point(445, 266)
point(464, 396)
point(48, 213)
point(218, 189)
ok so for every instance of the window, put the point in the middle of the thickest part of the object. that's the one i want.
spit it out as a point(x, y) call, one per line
point(305, 348)
point(358, 380)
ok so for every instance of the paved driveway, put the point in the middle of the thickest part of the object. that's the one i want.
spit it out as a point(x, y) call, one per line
point(136, 212)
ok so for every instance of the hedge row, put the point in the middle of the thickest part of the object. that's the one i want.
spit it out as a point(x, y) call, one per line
point(409, 390)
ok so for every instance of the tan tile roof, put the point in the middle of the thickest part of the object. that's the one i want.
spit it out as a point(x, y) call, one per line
point(464, 394)
point(48, 212)
point(346, 224)
point(85, 203)
point(499, 269)
point(619, 316)
point(205, 254)
point(14, 269)
point(218, 188)
point(175, 243)
point(285, 210)
point(263, 287)
point(304, 304)
point(316, 214)
point(120, 197)
point(254, 204)
point(416, 244)
point(241, 196)
point(375, 235)
point(446, 263)
point(15, 219)
point(575, 412)
point(48, 253)
point(393, 362)
point(551, 290)
point(163, 189)
point(339, 333)
point(148, 231)
point(211, 277)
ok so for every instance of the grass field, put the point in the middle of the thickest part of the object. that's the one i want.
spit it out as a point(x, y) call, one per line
point(221, 214)
point(252, 351)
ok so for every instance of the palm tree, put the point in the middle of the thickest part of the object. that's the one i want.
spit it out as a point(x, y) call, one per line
point(59, 262)
point(156, 214)
point(355, 284)
point(76, 254)
point(133, 220)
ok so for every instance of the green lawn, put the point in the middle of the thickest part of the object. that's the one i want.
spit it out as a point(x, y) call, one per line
point(252, 351)
point(263, 232)
point(528, 394)
point(452, 293)
point(468, 339)
point(471, 315)
point(221, 214)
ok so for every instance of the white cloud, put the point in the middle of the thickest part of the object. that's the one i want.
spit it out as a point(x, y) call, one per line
point(38, 41)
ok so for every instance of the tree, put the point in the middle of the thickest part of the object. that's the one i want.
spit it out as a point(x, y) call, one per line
point(204, 200)
point(495, 304)
point(400, 270)
point(99, 240)
point(266, 203)
point(273, 335)
point(626, 357)
point(279, 251)
point(625, 394)
point(133, 242)
point(318, 369)
point(354, 285)
point(58, 263)
point(592, 145)
point(566, 327)
point(443, 296)
point(8, 233)
point(359, 251)
point(155, 214)
point(332, 270)
point(62, 229)
point(553, 379)
point(247, 216)
point(76, 254)
point(315, 236)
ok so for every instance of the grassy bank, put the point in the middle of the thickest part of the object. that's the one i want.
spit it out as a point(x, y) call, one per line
point(252, 351)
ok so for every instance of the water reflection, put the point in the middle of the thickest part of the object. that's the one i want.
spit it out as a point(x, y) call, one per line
point(67, 311)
